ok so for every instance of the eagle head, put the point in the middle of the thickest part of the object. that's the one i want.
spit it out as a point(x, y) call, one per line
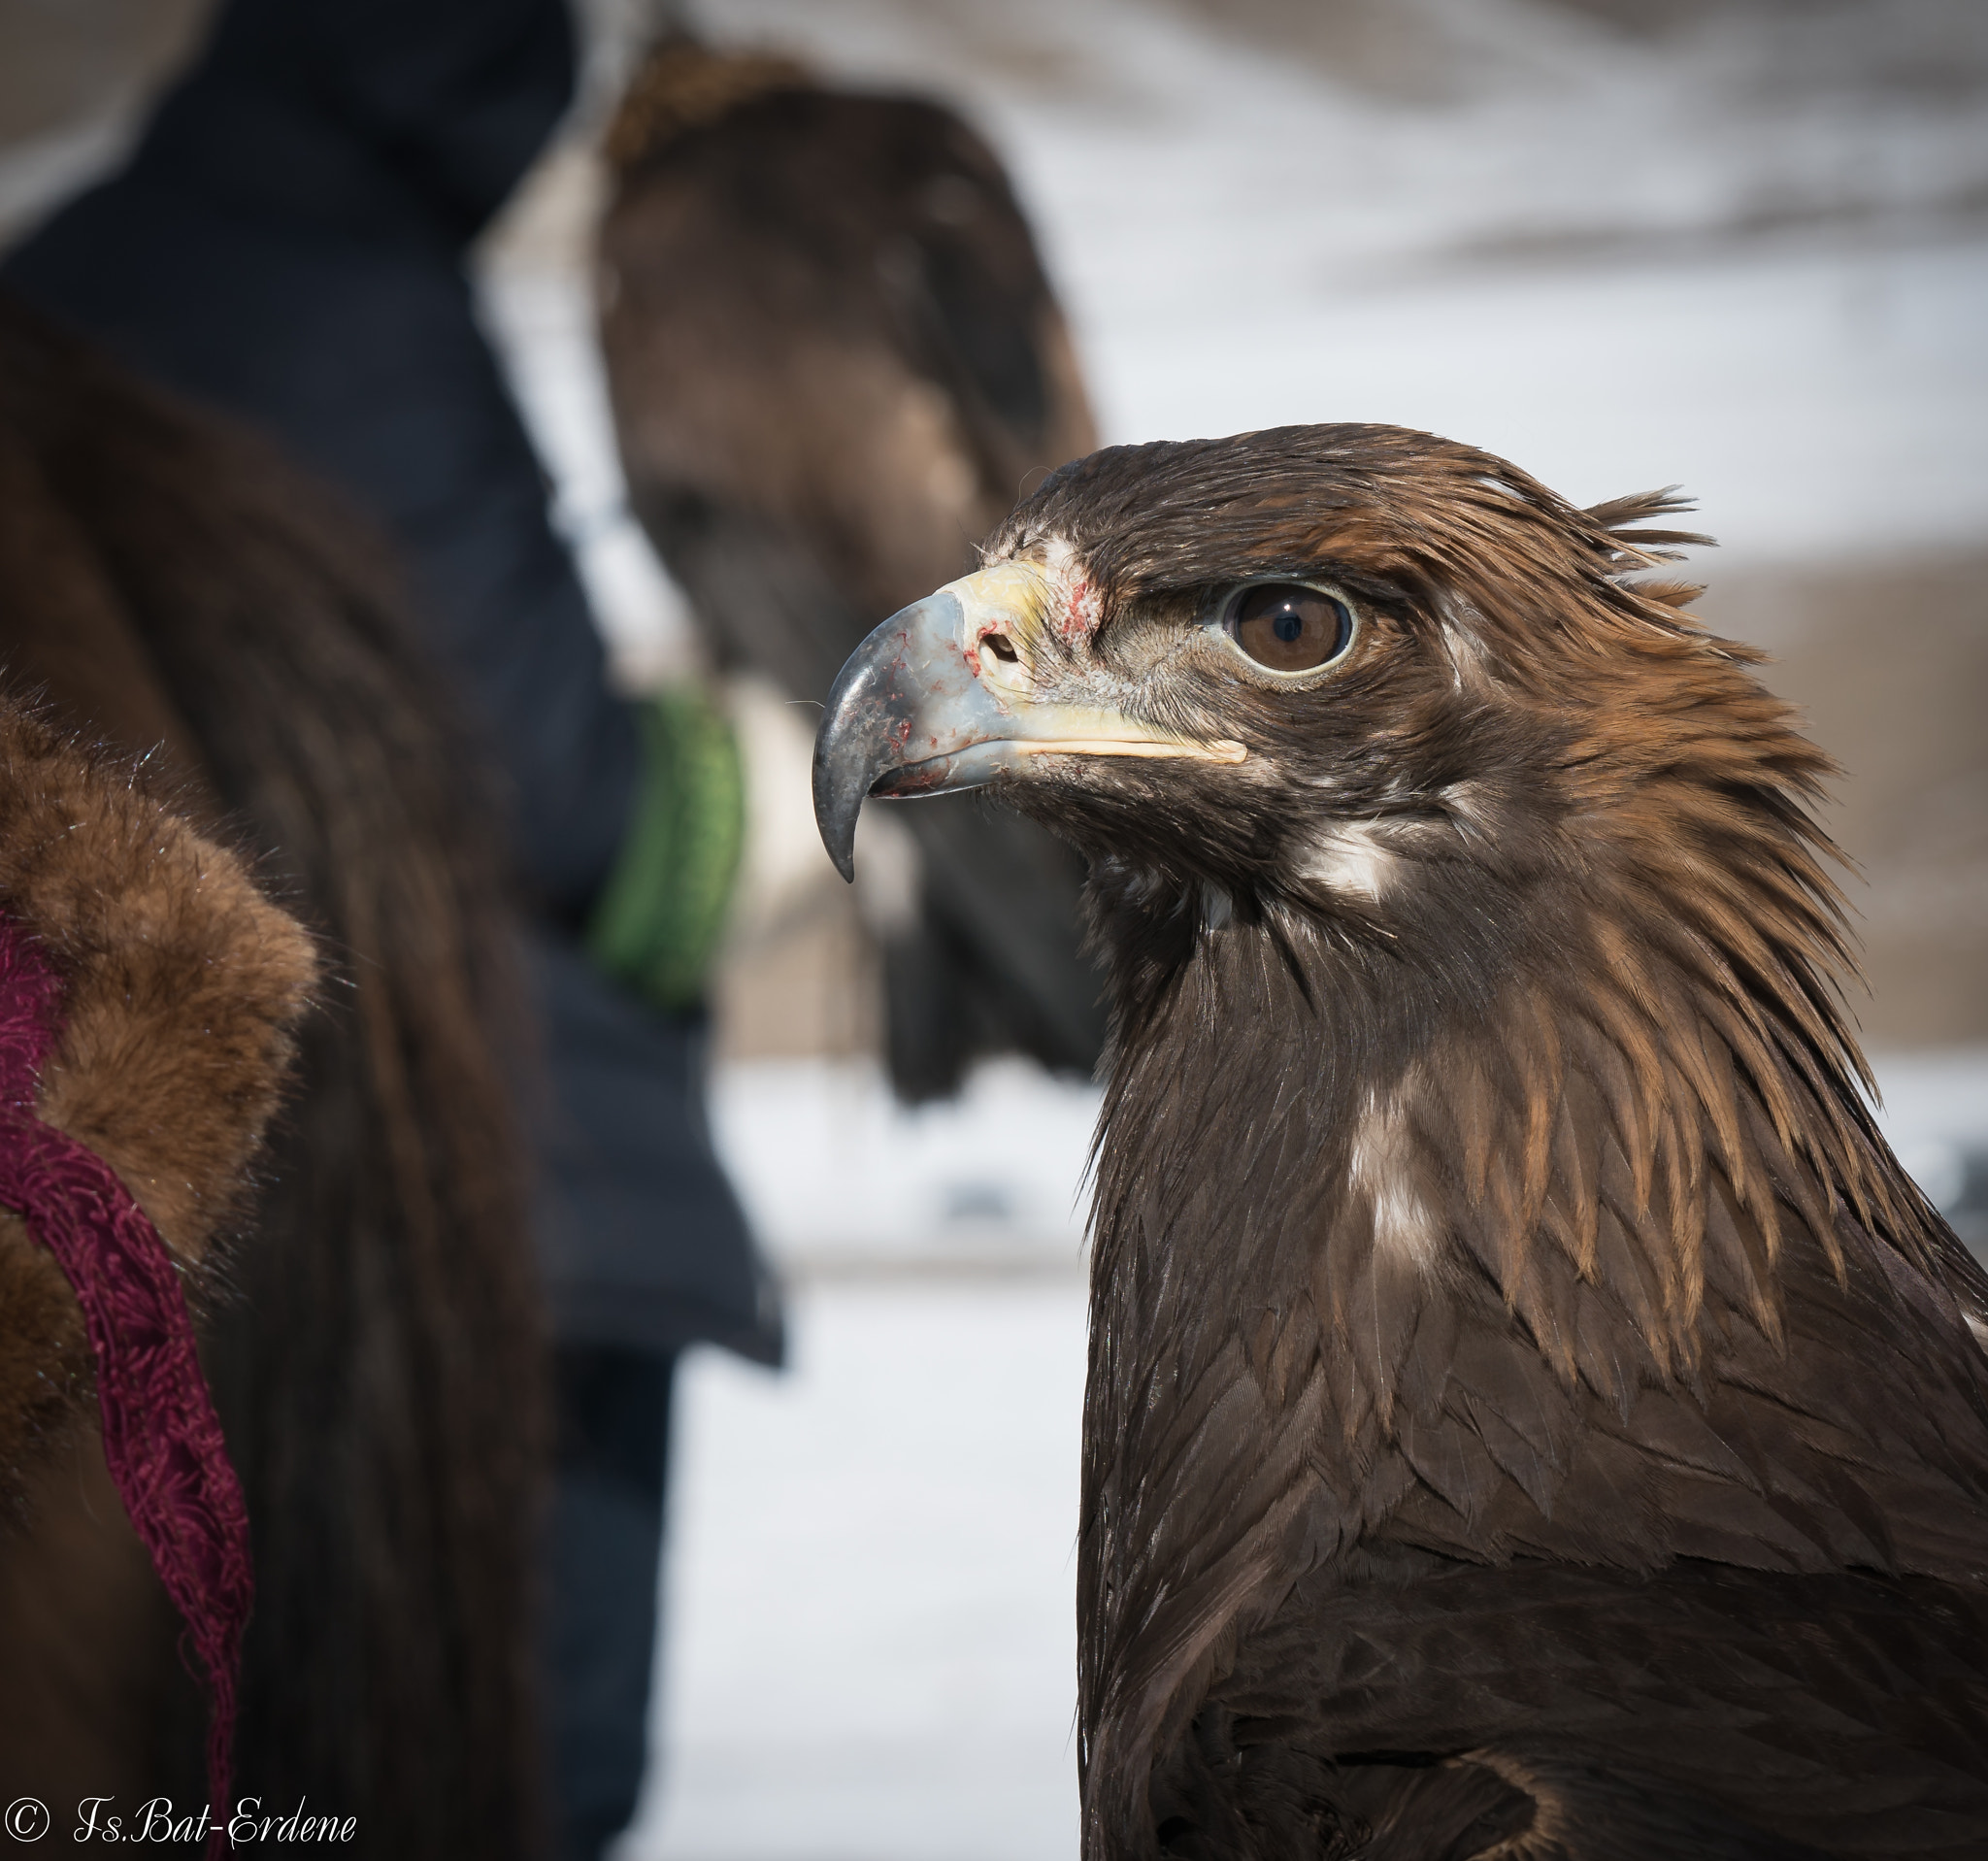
point(1383, 682)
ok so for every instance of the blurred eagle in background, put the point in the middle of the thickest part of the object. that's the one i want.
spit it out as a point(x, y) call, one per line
point(1531, 1414)
point(835, 362)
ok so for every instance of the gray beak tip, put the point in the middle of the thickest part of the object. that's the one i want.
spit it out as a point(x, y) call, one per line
point(838, 801)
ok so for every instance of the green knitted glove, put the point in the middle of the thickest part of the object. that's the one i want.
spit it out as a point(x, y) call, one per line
point(660, 916)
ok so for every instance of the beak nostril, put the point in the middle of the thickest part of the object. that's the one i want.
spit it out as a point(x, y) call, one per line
point(1001, 647)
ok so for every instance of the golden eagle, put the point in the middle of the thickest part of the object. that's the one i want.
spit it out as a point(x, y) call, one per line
point(1531, 1412)
point(834, 359)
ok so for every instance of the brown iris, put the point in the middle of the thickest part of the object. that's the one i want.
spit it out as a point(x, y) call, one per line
point(1289, 628)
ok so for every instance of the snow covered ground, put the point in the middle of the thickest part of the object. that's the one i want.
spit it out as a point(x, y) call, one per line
point(841, 1179)
point(869, 1652)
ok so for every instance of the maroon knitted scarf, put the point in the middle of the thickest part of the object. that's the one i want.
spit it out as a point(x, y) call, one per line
point(162, 1438)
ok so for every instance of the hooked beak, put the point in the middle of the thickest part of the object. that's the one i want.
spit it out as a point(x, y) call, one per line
point(942, 697)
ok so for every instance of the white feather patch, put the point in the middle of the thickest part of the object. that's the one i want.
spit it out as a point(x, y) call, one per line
point(1381, 1170)
point(1348, 859)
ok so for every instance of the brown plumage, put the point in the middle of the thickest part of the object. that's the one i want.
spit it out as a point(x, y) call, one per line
point(836, 361)
point(172, 589)
point(1531, 1412)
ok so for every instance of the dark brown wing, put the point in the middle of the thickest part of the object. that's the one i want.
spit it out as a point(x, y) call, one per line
point(836, 361)
point(1599, 1716)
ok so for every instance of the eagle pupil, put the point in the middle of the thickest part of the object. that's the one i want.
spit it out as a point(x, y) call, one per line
point(1289, 628)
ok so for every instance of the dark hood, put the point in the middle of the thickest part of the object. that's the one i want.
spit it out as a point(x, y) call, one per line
point(367, 111)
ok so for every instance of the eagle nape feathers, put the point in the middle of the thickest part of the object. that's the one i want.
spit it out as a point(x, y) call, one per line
point(1531, 1414)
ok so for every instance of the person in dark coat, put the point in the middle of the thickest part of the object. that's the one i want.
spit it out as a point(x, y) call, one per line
point(287, 243)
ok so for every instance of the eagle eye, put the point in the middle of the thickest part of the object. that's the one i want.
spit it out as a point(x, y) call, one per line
point(1286, 627)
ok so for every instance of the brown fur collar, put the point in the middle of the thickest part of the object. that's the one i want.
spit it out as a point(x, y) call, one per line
point(183, 987)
